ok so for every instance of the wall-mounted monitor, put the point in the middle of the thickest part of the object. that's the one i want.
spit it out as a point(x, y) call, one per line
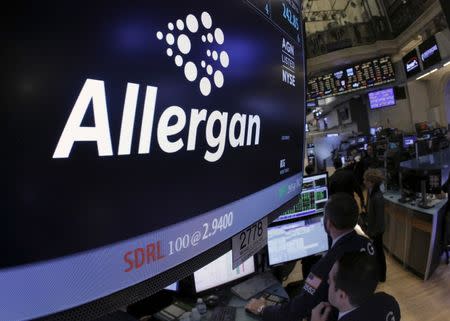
point(124, 127)
point(411, 63)
point(375, 72)
point(382, 98)
point(429, 52)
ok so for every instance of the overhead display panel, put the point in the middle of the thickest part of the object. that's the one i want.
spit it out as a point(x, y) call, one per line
point(411, 63)
point(368, 74)
point(429, 52)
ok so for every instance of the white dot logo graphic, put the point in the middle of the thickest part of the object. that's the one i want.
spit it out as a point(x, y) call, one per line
point(178, 60)
point(190, 35)
point(224, 59)
point(205, 86)
point(206, 20)
point(184, 44)
point(218, 79)
point(170, 39)
point(192, 23)
point(190, 71)
point(209, 70)
point(218, 34)
point(180, 24)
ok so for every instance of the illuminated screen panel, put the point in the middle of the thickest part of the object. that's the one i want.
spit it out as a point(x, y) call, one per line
point(429, 52)
point(312, 200)
point(382, 98)
point(411, 63)
point(297, 238)
point(220, 272)
point(368, 74)
point(139, 136)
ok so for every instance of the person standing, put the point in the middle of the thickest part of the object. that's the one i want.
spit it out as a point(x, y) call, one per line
point(373, 220)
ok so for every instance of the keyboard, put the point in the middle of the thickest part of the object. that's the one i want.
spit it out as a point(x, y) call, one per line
point(272, 299)
point(223, 314)
point(254, 285)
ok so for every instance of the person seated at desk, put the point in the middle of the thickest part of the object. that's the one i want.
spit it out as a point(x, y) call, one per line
point(352, 283)
point(341, 215)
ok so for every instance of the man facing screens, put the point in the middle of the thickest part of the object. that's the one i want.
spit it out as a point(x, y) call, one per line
point(352, 283)
point(341, 215)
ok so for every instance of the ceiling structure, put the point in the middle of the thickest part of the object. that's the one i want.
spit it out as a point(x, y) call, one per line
point(326, 10)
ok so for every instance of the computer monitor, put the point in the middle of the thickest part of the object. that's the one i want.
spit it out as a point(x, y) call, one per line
point(412, 180)
point(299, 232)
point(220, 272)
point(296, 238)
point(409, 141)
point(312, 199)
point(124, 125)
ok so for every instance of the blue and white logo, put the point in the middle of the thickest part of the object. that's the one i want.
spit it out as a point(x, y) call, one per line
point(180, 37)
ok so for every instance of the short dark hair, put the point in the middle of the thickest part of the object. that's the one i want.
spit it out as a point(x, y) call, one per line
point(342, 210)
point(337, 163)
point(309, 169)
point(357, 276)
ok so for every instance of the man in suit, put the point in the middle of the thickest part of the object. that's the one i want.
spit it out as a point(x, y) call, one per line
point(352, 283)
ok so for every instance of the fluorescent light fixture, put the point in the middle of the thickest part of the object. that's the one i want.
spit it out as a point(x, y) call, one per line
point(333, 135)
point(447, 63)
point(428, 73)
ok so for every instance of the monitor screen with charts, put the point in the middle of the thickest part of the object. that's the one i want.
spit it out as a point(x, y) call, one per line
point(312, 199)
point(300, 232)
point(220, 272)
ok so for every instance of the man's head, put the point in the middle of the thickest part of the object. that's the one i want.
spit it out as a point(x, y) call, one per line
point(341, 214)
point(352, 280)
point(370, 151)
point(337, 163)
point(309, 169)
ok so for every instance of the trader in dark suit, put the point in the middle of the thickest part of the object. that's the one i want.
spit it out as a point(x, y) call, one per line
point(352, 285)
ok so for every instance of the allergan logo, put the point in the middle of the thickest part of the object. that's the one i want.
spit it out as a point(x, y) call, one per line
point(180, 37)
point(177, 128)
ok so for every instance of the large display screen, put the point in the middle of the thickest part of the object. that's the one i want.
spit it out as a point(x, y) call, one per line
point(429, 52)
point(368, 74)
point(139, 136)
point(411, 63)
point(382, 98)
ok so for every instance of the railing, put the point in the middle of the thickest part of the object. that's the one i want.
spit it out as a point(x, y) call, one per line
point(346, 36)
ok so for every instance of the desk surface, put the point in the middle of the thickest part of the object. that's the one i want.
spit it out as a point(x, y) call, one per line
point(394, 197)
